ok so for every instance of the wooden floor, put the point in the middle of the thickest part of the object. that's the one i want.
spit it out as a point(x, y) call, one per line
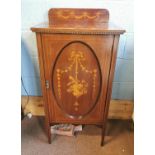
point(119, 140)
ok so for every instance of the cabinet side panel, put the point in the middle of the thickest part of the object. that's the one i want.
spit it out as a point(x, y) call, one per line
point(42, 77)
point(111, 76)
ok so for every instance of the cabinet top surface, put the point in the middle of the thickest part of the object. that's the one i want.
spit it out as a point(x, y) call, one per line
point(82, 21)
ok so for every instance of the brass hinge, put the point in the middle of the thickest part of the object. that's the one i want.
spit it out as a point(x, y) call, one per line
point(47, 84)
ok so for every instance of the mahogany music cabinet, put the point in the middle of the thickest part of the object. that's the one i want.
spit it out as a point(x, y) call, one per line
point(77, 53)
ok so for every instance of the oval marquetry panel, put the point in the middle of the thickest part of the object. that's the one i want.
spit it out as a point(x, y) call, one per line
point(76, 79)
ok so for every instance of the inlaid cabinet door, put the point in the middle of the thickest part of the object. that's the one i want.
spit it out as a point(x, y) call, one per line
point(77, 69)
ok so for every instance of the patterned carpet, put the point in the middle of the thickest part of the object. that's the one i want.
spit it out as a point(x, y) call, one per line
point(118, 141)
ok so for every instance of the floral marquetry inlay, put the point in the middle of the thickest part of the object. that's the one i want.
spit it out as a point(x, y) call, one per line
point(75, 86)
point(76, 78)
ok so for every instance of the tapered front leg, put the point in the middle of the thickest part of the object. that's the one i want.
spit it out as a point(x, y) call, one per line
point(48, 131)
point(103, 135)
point(49, 137)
